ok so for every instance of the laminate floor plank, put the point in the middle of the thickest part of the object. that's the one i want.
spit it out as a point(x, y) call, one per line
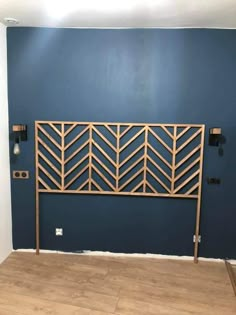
point(7, 312)
point(29, 305)
point(58, 284)
point(61, 294)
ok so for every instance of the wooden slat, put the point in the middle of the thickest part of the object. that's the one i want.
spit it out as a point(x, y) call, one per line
point(55, 129)
point(173, 161)
point(126, 130)
point(158, 180)
point(131, 155)
point(104, 139)
point(145, 159)
point(188, 156)
point(76, 138)
point(131, 140)
point(119, 193)
point(131, 179)
point(137, 186)
point(77, 151)
point(159, 168)
point(96, 185)
point(187, 169)
point(90, 155)
point(116, 123)
point(104, 153)
point(160, 156)
point(103, 166)
point(103, 177)
point(167, 131)
point(70, 129)
point(186, 181)
point(50, 138)
point(49, 163)
point(111, 131)
point(183, 132)
point(49, 176)
point(151, 187)
point(132, 166)
point(49, 150)
point(160, 140)
point(82, 185)
point(76, 165)
point(76, 176)
point(62, 156)
point(117, 158)
point(43, 183)
point(192, 189)
point(188, 141)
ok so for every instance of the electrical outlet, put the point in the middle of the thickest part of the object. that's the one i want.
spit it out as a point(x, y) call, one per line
point(59, 232)
point(21, 174)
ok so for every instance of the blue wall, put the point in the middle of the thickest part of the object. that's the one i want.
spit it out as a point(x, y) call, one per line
point(151, 75)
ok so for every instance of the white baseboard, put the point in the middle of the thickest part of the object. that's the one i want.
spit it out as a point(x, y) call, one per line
point(111, 254)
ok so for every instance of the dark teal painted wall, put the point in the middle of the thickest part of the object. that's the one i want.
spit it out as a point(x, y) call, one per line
point(156, 76)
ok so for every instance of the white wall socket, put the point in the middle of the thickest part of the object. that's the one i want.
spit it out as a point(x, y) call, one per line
point(59, 232)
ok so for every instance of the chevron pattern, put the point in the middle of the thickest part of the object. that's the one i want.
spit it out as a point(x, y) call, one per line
point(114, 158)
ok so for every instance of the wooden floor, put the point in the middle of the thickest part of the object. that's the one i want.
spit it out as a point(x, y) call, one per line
point(89, 285)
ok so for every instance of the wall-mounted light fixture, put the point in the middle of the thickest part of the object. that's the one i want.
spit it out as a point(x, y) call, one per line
point(215, 136)
point(20, 134)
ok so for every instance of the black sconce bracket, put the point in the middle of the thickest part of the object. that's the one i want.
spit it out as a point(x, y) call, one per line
point(215, 136)
point(20, 132)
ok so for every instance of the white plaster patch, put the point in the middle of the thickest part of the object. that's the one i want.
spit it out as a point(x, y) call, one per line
point(135, 255)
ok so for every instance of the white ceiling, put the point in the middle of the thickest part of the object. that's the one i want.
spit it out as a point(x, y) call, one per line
point(121, 13)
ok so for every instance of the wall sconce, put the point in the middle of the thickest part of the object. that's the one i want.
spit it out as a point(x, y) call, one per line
point(20, 134)
point(215, 137)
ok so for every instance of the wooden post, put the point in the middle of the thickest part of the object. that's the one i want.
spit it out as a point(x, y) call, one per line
point(198, 212)
point(36, 191)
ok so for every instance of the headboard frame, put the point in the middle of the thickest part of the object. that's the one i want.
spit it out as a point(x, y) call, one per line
point(154, 160)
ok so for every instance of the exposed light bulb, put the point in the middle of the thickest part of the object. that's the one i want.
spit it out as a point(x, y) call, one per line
point(16, 149)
